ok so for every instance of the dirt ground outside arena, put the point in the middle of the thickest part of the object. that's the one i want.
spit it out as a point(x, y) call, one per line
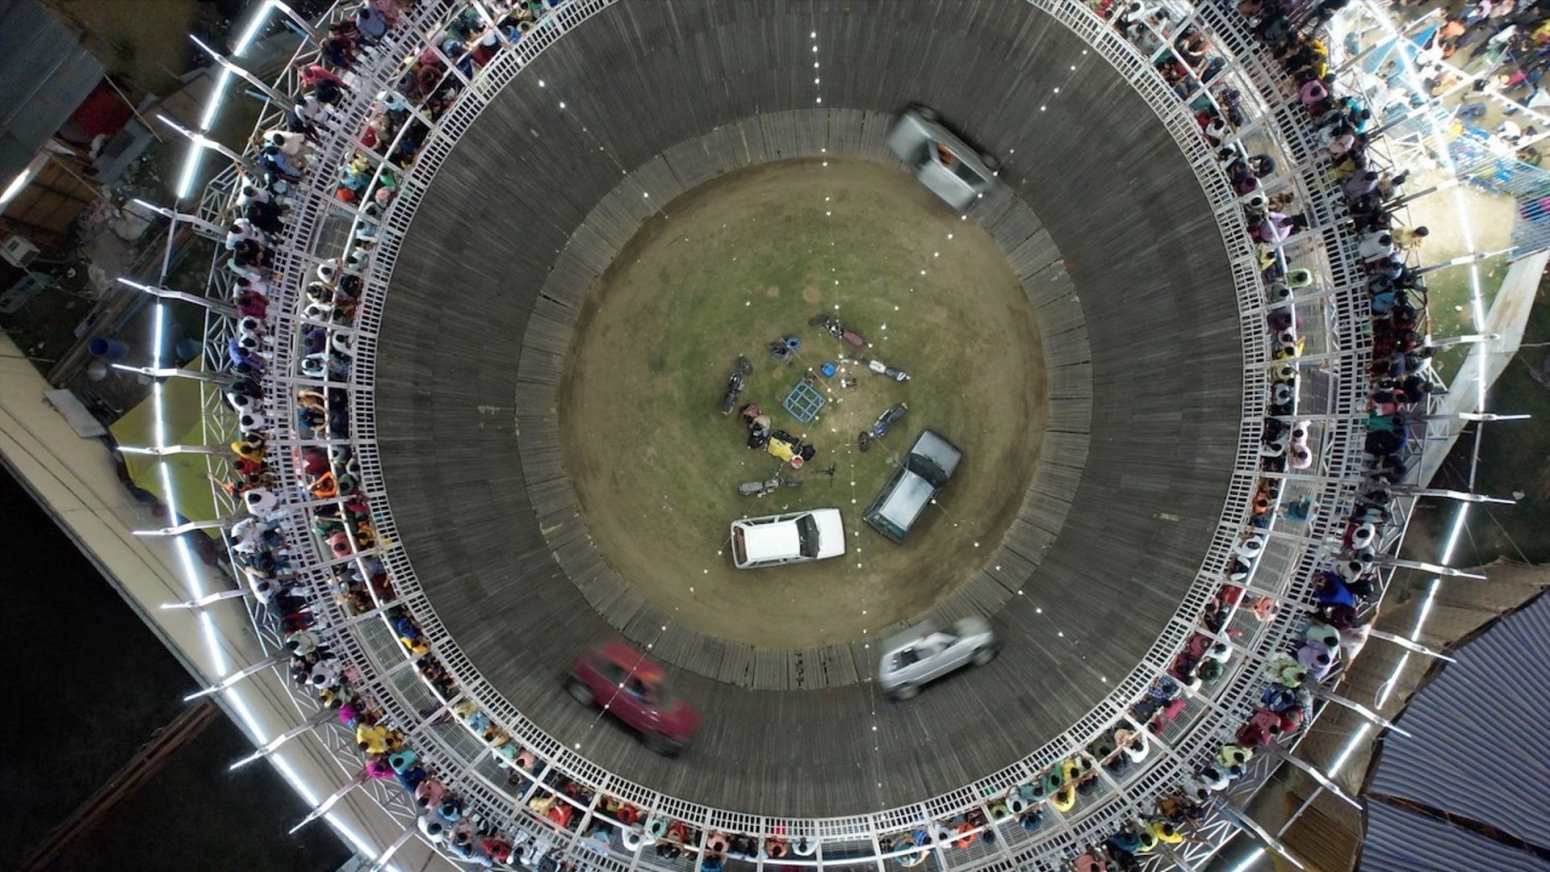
point(749, 258)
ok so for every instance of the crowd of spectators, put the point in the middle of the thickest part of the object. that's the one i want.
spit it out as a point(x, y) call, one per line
point(286, 161)
point(1506, 41)
point(1347, 585)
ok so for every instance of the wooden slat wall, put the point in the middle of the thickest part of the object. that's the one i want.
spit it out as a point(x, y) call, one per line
point(1105, 226)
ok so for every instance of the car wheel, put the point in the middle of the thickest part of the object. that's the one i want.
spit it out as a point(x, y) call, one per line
point(580, 693)
point(990, 162)
point(985, 655)
point(906, 691)
point(926, 113)
point(657, 743)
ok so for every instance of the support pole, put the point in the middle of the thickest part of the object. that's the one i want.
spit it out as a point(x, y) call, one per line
point(168, 450)
point(1321, 692)
point(201, 140)
point(1280, 753)
point(1470, 339)
point(274, 744)
point(215, 378)
point(244, 672)
point(1472, 257)
point(1410, 645)
point(1446, 493)
point(1435, 569)
point(191, 526)
point(1410, 198)
point(387, 854)
point(300, 22)
point(1240, 819)
point(329, 803)
point(268, 90)
point(1487, 417)
point(211, 231)
point(208, 599)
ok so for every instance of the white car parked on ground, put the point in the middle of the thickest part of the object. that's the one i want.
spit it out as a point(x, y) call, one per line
point(925, 653)
point(795, 537)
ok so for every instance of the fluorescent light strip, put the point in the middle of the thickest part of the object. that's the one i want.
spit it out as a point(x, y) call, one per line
point(24, 177)
point(193, 579)
point(213, 102)
point(1249, 861)
point(260, 18)
point(190, 169)
point(1356, 739)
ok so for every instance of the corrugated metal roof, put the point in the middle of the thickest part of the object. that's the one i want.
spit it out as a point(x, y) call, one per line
point(1478, 748)
point(1400, 840)
point(44, 75)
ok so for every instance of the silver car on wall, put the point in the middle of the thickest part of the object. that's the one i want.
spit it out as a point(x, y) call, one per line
point(941, 161)
point(924, 653)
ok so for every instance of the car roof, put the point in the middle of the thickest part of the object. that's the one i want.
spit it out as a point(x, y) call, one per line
point(942, 452)
point(632, 661)
point(905, 638)
point(905, 501)
point(772, 541)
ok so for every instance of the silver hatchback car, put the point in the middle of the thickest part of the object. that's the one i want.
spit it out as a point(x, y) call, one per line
point(941, 161)
point(925, 653)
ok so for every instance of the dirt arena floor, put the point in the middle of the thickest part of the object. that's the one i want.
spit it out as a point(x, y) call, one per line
point(749, 258)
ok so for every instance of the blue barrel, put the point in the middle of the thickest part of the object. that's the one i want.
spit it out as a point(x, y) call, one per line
point(793, 343)
point(107, 349)
point(828, 369)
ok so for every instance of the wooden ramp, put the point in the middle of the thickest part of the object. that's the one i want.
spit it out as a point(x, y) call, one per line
point(1101, 219)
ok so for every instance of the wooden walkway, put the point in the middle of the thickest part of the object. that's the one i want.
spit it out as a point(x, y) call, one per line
point(1142, 352)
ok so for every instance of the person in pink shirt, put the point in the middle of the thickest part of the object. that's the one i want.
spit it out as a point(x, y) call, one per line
point(430, 794)
point(1312, 93)
point(311, 74)
point(379, 769)
point(388, 9)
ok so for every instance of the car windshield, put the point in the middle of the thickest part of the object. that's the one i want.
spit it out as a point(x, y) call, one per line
point(807, 534)
point(927, 469)
point(965, 172)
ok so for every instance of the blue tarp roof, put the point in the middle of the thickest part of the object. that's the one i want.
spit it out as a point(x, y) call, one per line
point(44, 76)
point(1400, 840)
point(1478, 746)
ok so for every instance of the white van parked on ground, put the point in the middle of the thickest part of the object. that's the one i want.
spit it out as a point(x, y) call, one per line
point(794, 537)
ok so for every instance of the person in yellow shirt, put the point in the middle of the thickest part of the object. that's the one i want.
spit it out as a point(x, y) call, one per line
point(371, 739)
point(1410, 239)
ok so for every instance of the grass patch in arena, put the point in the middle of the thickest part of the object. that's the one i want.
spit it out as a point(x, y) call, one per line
point(744, 260)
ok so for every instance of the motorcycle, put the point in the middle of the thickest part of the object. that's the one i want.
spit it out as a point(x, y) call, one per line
point(888, 418)
point(883, 369)
point(735, 384)
point(765, 488)
point(734, 387)
point(837, 330)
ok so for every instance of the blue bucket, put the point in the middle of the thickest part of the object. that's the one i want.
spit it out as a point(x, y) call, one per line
point(107, 349)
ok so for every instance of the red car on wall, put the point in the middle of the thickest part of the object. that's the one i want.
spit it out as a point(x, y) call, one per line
point(631, 687)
